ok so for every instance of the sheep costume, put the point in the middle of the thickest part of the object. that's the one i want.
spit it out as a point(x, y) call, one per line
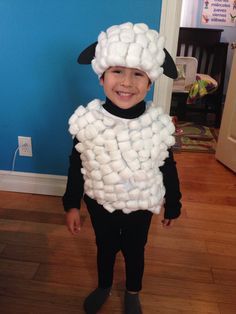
point(121, 157)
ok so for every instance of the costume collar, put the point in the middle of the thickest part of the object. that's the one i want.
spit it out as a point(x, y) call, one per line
point(131, 113)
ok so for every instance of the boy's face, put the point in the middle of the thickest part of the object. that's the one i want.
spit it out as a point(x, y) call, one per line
point(125, 87)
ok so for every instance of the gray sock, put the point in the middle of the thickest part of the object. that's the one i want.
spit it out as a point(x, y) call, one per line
point(95, 300)
point(132, 303)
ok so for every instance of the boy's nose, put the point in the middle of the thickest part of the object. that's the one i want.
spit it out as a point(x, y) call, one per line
point(126, 80)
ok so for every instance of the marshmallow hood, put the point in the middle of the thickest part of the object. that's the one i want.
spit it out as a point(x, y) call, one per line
point(130, 45)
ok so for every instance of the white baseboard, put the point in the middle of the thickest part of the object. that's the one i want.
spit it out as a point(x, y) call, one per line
point(32, 183)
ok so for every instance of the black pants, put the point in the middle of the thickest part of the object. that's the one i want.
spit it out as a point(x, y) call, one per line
point(118, 231)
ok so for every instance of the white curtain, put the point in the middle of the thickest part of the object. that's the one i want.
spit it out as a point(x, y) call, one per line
point(189, 13)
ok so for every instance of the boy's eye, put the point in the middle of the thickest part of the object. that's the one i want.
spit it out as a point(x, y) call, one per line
point(116, 71)
point(139, 74)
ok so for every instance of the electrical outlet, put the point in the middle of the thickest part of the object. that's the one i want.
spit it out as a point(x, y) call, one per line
point(25, 146)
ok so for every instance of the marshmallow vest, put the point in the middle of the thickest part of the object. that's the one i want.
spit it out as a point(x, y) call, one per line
point(121, 157)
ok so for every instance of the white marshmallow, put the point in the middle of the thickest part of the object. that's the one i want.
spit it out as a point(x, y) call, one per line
point(145, 120)
point(146, 165)
point(134, 164)
point(115, 155)
point(144, 155)
point(89, 117)
point(130, 155)
point(139, 175)
point(106, 169)
point(118, 165)
point(148, 144)
point(156, 127)
point(103, 158)
point(124, 146)
point(123, 196)
point(120, 188)
point(99, 194)
point(111, 145)
point(134, 194)
point(133, 204)
point(111, 178)
point(81, 122)
point(79, 147)
point(108, 134)
point(93, 104)
point(138, 145)
point(108, 121)
point(81, 135)
point(146, 133)
point(99, 125)
point(90, 154)
point(134, 124)
point(73, 119)
point(88, 145)
point(109, 207)
point(98, 185)
point(126, 173)
point(73, 129)
point(96, 175)
point(119, 205)
point(170, 141)
point(135, 135)
point(143, 204)
point(123, 136)
point(108, 188)
point(98, 150)
point(145, 195)
point(80, 111)
point(111, 197)
point(99, 140)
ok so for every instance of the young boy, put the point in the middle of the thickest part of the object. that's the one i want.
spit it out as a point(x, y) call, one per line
point(121, 163)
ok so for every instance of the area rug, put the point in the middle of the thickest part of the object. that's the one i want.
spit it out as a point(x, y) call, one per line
point(191, 137)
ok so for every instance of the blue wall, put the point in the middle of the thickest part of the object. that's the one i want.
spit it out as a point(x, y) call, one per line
point(41, 84)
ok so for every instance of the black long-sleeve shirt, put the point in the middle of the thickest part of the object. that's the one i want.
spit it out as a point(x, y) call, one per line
point(75, 182)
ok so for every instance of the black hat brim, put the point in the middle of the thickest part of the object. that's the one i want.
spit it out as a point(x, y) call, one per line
point(169, 67)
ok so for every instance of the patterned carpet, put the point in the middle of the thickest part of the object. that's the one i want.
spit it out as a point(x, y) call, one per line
point(193, 137)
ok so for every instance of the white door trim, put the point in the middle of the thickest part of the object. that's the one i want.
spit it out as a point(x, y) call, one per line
point(169, 27)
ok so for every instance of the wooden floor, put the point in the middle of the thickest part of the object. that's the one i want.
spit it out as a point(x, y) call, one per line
point(190, 268)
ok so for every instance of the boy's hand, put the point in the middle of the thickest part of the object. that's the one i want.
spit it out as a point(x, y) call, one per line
point(73, 221)
point(166, 223)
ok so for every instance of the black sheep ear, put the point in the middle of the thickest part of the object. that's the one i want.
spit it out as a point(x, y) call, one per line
point(87, 54)
point(169, 66)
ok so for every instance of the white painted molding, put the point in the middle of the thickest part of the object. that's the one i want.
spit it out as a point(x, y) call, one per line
point(169, 27)
point(32, 183)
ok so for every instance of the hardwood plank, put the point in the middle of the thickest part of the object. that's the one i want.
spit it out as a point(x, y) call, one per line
point(27, 201)
point(176, 288)
point(224, 277)
point(176, 271)
point(227, 308)
point(212, 212)
point(224, 249)
point(33, 216)
point(205, 224)
point(2, 246)
point(10, 305)
point(48, 255)
point(18, 269)
point(180, 305)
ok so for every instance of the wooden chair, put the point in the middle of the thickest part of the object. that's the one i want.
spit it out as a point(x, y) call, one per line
point(203, 44)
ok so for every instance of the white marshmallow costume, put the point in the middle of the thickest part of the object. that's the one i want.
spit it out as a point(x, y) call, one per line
point(121, 157)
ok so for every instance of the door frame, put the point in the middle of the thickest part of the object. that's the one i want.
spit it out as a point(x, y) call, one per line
point(169, 27)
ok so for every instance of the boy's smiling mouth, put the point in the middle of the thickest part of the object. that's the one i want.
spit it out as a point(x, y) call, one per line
point(124, 94)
